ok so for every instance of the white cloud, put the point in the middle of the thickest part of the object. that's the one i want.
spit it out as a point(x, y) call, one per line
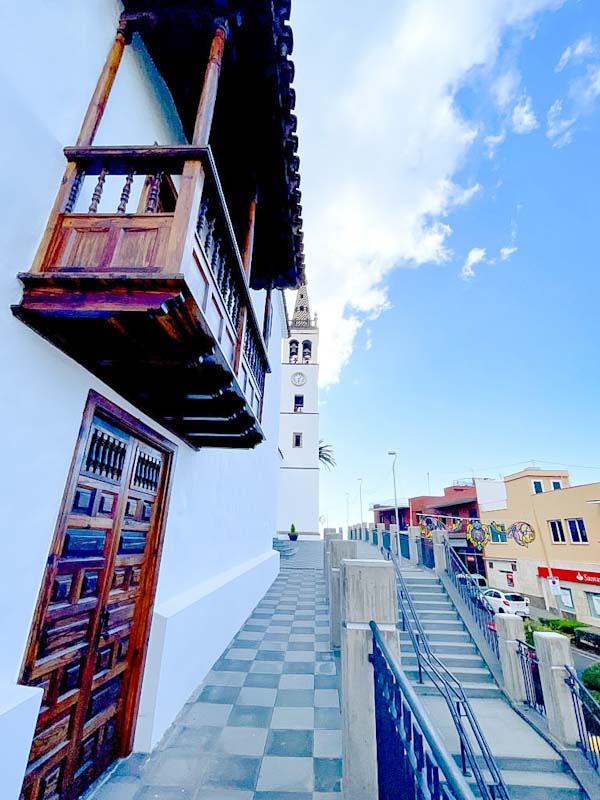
point(504, 88)
point(578, 50)
point(475, 256)
point(506, 252)
point(583, 93)
point(379, 165)
point(369, 340)
point(493, 142)
point(559, 131)
point(523, 116)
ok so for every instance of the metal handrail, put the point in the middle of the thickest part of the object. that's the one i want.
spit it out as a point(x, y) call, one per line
point(587, 714)
point(453, 693)
point(534, 695)
point(453, 778)
point(471, 594)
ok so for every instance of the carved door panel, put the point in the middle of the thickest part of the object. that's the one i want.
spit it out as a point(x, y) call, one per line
point(87, 644)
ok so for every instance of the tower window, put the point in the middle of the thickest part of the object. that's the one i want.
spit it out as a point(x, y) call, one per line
point(297, 439)
point(298, 403)
point(294, 351)
point(306, 351)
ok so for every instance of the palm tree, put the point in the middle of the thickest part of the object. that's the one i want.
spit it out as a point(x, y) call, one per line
point(326, 455)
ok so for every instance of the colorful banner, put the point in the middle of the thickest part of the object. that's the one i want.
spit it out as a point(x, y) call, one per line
point(479, 533)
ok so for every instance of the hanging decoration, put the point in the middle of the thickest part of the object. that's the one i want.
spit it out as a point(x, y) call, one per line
point(479, 533)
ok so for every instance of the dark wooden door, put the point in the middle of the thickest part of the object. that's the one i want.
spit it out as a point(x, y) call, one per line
point(88, 639)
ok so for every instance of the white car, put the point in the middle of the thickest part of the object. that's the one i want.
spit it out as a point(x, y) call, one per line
point(506, 602)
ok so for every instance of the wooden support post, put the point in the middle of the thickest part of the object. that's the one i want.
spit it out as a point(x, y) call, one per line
point(192, 178)
point(268, 316)
point(247, 263)
point(89, 126)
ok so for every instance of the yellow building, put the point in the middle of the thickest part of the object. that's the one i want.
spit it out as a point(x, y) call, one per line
point(564, 545)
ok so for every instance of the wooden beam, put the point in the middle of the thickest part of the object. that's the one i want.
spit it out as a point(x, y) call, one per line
point(89, 126)
point(192, 178)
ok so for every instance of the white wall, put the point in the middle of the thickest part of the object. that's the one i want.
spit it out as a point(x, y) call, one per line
point(222, 512)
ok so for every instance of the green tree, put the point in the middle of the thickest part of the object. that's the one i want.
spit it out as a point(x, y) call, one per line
point(326, 456)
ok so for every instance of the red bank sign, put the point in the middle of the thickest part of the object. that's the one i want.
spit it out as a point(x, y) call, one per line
point(572, 575)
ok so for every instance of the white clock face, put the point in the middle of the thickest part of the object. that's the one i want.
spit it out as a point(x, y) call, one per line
point(298, 379)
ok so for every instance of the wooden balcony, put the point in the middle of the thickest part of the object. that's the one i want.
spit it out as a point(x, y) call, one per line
point(177, 337)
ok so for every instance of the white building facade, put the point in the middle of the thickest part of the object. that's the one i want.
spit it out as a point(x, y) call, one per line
point(298, 502)
point(133, 551)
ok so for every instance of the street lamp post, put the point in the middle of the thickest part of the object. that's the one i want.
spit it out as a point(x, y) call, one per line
point(347, 513)
point(361, 505)
point(393, 453)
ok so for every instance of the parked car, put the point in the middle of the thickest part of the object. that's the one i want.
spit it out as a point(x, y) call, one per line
point(466, 577)
point(506, 602)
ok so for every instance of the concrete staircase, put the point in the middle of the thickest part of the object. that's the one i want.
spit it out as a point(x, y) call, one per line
point(284, 547)
point(531, 768)
point(448, 638)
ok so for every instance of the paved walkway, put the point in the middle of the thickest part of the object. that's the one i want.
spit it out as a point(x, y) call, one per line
point(266, 722)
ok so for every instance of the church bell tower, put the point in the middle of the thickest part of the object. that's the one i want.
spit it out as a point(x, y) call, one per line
point(299, 424)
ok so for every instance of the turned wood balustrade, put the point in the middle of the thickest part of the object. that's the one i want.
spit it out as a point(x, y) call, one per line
point(96, 238)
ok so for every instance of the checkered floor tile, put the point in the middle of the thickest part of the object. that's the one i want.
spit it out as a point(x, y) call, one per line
point(266, 722)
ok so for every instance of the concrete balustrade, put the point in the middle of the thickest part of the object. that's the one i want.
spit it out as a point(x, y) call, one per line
point(509, 628)
point(439, 552)
point(553, 652)
point(414, 533)
point(338, 550)
point(328, 537)
point(394, 538)
point(368, 592)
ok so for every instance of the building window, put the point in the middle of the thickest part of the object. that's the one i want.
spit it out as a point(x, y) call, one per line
point(556, 485)
point(306, 351)
point(577, 531)
point(565, 598)
point(297, 439)
point(298, 403)
point(473, 513)
point(294, 351)
point(556, 529)
point(593, 603)
point(538, 487)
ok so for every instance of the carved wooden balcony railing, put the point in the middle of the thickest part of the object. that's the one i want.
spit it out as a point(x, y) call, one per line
point(179, 340)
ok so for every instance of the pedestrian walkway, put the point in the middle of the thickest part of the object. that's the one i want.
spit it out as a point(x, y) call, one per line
point(266, 722)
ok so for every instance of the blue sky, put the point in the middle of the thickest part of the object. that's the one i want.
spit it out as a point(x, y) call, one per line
point(450, 174)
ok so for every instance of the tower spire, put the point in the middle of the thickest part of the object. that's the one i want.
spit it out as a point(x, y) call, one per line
point(301, 309)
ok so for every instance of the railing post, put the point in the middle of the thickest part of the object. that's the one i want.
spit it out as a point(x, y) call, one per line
point(368, 593)
point(553, 652)
point(338, 550)
point(394, 539)
point(328, 537)
point(414, 532)
point(192, 178)
point(439, 551)
point(509, 628)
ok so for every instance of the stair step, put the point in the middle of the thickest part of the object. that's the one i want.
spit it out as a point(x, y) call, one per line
point(448, 636)
point(442, 625)
point(465, 675)
point(524, 764)
point(451, 660)
point(478, 690)
point(541, 785)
